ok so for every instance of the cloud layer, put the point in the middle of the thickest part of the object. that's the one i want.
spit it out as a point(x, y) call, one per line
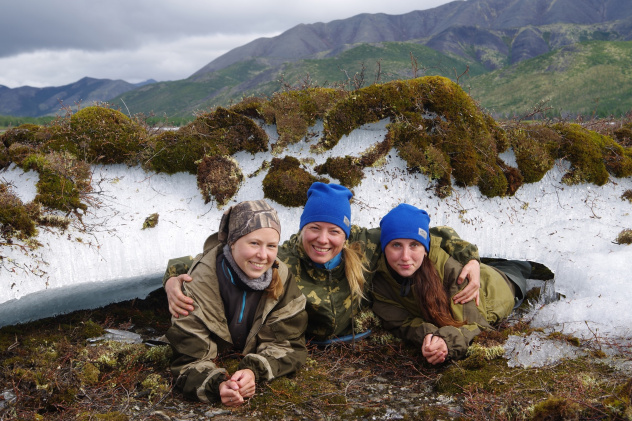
point(58, 42)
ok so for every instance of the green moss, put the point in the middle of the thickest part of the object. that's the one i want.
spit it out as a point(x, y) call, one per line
point(17, 152)
point(583, 149)
point(221, 132)
point(428, 112)
point(90, 329)
point(219, 177)
point(572, 340)
point(151, 221)
point(155, 385)
point(295, 111)
point(4, 157)
point(25, 134)
point(15, 218)
point(100, 135)
point(287, 182)
point(345, 169)
point(62, 180)
point(623, 135)
point(556, 408)
point(624, 237)
point(534, 147)
point(89, 374)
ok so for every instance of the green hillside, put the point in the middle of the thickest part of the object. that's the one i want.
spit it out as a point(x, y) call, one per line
point(586, 78)
point(397, 60)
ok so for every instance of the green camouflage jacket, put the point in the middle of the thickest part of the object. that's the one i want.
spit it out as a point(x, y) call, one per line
point(275, 345)
point(402, 317)
point(329, 304)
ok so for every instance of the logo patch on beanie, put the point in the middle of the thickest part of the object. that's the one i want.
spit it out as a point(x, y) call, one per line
point(346, 221)
point(423, 233)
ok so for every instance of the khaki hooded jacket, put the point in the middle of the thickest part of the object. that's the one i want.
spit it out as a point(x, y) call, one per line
point(401, 315)
point(274, 347)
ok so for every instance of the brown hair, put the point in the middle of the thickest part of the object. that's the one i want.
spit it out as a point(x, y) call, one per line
point(431, 296)
point(275, 289)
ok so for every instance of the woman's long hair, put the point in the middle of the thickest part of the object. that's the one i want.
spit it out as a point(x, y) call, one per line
point(355, 266)
point(275, 289)
point(431, 296)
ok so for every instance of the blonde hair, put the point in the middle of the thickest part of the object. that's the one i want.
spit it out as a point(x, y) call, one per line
point(355, 266)
point(275, 289)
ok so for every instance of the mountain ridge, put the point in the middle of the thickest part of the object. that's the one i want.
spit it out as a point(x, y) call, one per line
point(494, 34)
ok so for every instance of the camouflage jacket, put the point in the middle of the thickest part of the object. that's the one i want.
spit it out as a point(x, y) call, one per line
point(274, 347)
point(402, 317)
point(329, 304)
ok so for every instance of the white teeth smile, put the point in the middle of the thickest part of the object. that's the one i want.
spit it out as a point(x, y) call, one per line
point(258, 265)
point(321, 250)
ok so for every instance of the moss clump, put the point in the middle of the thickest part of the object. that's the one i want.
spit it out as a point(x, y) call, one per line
point(425, 112)
point(591, 155)
point(100, 135)
point(624, 237)
point(151, 221)
point(534, 147)
point(17, 152)
point(108, 416)
point(287, 182)
point(627, 195)
point(221, 132)
point(62, 180)
point(623, 135)
point(294, 112)
point(557, 408)
point(219, 177)
point(345, 169)
point(16, 219)
point(25, 134)
point(89, 374)
point(4, 157)
point(155, 385)
point(513, 176)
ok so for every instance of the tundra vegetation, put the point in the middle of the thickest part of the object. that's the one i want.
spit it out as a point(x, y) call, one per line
point(49, 369)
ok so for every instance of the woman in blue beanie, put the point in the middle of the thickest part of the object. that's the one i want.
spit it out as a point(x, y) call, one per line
point(416, 278)
point(332, 261)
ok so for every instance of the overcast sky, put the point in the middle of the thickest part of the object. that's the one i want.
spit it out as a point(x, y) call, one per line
point(57, 42)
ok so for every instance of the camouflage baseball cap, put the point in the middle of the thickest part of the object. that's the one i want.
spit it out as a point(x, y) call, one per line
point(246, 217)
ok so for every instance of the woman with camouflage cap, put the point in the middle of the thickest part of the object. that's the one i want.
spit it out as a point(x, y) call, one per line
point(332, 261)
point(414, 283)
point(247, 303)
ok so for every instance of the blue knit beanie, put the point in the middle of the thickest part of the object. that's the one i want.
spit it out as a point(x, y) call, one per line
point(328, 203)
point(405, 221)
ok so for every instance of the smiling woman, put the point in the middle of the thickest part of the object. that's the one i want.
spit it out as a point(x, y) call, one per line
point(248, 304)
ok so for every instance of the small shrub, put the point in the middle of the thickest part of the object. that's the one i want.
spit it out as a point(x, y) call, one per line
point(627, 195)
